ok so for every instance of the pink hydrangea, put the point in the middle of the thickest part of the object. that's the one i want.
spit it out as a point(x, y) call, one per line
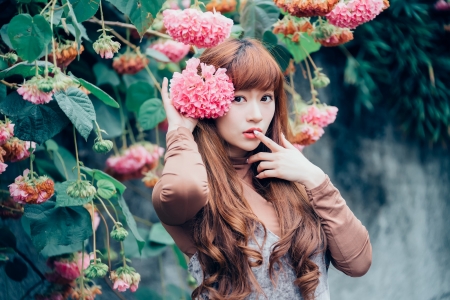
point(174, 50)
point(68, 270)
point(120, 285)
point(194, 27)
point(208, 95)
point(6, 131)
point(354, 12)
point(26, 190)
point(3, 167)
point(306, 134)
point(319, 114)
point(442, 5)
point(30, 92)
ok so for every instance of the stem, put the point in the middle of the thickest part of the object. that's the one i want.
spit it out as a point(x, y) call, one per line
point(161, 274)
point(130, 132)
point(124, 140)
point(36, 68)
point(155, 82)
point(310, 83)
point(53, 38)
point(102, 19)
point(10, 85)
point(107, 211)
point(140, 136)
point(309, 56)
point(119, 24)
point(12, 209)
point(114, 209)
point(76, 153)
point(45, 7)
point(107, 239)
point(93, 233)
point(99, 133)
point(122, 252)
point(46, 62)
point(116, 150)
point(143, 221)
point(82, 271)
point(31, 166)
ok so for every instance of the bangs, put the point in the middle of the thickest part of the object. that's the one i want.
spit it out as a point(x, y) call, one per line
point(253, 67)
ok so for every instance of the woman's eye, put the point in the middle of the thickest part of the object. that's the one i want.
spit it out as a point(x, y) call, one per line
point(267, 98)
point(239, 99)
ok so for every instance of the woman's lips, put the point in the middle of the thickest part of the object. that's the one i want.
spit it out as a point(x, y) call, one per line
point(249, 133)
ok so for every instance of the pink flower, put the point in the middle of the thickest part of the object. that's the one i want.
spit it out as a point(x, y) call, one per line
point(354, 12)
point(306, 134)
point(132, 160)
point(30, 92)
point(319, 114)
point(105, 46)
point(66, 269)
point(84, 262)
point(442, 5)
point(26, 190)
point(208, 95)
point(194, 27)
point(3, 167)
point(120, 285)
point(175, 51)
point(134, 287)
point(6, 131)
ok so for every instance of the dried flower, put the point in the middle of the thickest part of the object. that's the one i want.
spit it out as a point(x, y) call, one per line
point(105, 46)
point(150, 179)
point(223, 6)
point(306, 8)
point(17, 150)
point(15, 212)
point(6, 131)
point(174, 50)
point(130, 63)
point(208, 95)
point(306, 134)
point(28, 190)
point(65, 53)
point(331, 36)
point(355, 12)
point(37, 90)
point(292, 27)
point(194, 27)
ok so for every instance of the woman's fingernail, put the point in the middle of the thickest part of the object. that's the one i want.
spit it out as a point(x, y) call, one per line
point(255, 132)
point(246, 161)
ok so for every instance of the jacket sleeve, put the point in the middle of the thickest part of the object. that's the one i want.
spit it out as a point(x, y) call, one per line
point(348, 240)
point(183, 187)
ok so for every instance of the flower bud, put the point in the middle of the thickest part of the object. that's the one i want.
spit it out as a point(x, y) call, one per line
point(320, 80)
point(81, 189)
point(119, 234)
point(45, 84)
point(98, 270)
point(103, 146)
point(11, 58)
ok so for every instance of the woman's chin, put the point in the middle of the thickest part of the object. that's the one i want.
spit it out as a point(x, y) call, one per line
point(249, 145)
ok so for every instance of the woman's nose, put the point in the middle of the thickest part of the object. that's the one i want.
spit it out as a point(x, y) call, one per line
point(254, 112)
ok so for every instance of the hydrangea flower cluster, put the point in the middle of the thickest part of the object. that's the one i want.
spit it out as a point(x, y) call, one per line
point(307, 134)
point(194, 27)
point(174, 50)
point(207, 95)
point(11, 148)
point(307, 8)
point(105, 46)
point(125, 278)
point(352, 13)
point(130, 63)
point(28, 190)
point(66, 52)
point(134, 162)
point(6, 131)
point(293, 27)
point(36, 90)
point(331, 36)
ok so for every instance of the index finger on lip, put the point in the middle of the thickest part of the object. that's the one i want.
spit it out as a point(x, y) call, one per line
point(267, 141)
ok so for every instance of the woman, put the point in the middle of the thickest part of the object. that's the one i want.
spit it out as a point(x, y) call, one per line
point(257, 219)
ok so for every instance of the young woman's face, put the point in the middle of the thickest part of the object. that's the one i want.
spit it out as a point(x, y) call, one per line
point(251, 110)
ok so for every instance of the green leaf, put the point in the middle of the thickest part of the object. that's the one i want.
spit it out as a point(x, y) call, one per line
point(149, 250)
point(137, 94)
point(108, 119)
point(62, 199)
point(141, 13)
point(36, 123)
point(105, 75)
point(258, 16)
point(282, 56)
point(48, 168)
point(51, 145)
point(29, 35)
point(105, 188)
point(2, 92)
point(24, 69)
point(269, 38)
point(130, 221)
point(84, 9)
point(7, 238)
point(180, 257)
point(58, 226)
point(144, 293)
point(78, 108)
point(236, 31)
point(65, 162)
point(175, 292)
point(100, 94)
point(296, 50)
point(5, 37)
point(98, 175)
point(151, 113)
point(72, 20)
point(157, 55)
point(158, 234)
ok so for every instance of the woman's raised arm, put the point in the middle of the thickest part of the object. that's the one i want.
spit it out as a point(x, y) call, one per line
point(183, 188)
point(348, 240)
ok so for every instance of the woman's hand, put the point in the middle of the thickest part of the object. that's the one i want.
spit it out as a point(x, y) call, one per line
point(174, 118)
point(287, 163)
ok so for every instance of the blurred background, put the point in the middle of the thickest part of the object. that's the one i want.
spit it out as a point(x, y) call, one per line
point(387, 152)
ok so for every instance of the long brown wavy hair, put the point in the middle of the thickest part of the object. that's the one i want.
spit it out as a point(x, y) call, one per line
point(224, 226)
